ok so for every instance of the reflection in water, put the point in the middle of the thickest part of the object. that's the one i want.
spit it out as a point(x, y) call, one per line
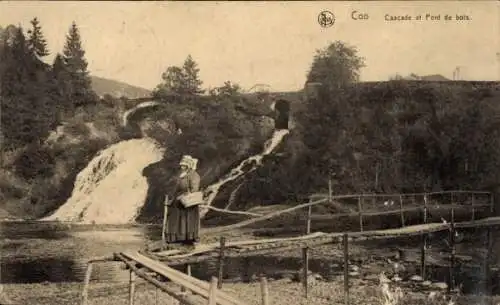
point(57, 270)
point(26, 229)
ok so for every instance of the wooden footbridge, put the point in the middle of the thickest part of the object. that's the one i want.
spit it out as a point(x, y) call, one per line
point(478, 206)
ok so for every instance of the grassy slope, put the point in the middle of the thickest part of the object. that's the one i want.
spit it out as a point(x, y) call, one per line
point(115, 88)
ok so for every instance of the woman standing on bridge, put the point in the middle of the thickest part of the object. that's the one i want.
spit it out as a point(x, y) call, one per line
point(183, 215)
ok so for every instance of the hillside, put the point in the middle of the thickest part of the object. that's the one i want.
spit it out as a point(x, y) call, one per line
point(117, 89)
point(223, 132)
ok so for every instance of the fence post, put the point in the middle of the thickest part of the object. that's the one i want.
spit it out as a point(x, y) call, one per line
point(401, 210)
point(212, 292)
point(451, 284)
point(492, 204)
point(360, 210)
point(423, 254)
point(308, 220)
point(487, 261)
point(131, 287)
point(452, 217)
point(165, 214)
point(305, 254)
point(264, 290)
point(345, 242)
point(188, 272)
point(86, 283)
point(221, 260)
point(473, 209)
point(330, 189)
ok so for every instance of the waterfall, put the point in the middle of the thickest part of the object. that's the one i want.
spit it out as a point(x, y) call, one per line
point(111, 189)
point(253, 162)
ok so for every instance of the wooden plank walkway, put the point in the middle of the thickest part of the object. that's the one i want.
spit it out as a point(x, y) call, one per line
point(195, 285)
point(265, 246)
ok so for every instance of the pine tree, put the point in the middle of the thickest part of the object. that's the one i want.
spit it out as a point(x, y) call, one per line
point(191, 72)
point(36, 42)
point(21, 109)
point(61, 85)
point(76, 66)
point(74, 55)
point(18, 66)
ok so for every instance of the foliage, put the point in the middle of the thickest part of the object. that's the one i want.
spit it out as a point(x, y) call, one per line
point(75, 65)
point(36, 42)
point(36, 96)
point(184, 81)
point(192, 80)
point(27, 111)
point(228, 89)
point(336, 66)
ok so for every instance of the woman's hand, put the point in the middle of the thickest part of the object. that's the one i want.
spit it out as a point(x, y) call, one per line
point(183, 194)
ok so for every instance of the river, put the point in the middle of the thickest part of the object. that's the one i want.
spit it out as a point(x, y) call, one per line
point(46, 252)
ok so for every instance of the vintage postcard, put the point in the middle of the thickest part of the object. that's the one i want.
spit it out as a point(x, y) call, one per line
point(257, 152)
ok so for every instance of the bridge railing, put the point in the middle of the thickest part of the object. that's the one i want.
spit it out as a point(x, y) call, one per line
point(369, 205)
point(404, 204)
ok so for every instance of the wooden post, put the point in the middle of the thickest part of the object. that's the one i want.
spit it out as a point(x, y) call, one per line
point(264, 291)
point(451, 284)
point(330, 189)
point(164, 226)
point(212, 292)
point(345, 242)
point(423, 255)
point(174, 293)
point(221, 261)
point(247, 272)
point(308, 220)
point(131, 287)
point(86, 283)
point(452, 214)
point(425, 209)
point(473, 209)
point(360, 211)
point(401, 210)
point(188, 272)
point(492, 204)
point(487, 261)
point(305, 255)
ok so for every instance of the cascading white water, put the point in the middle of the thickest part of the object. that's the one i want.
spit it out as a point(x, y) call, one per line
point(111, 189)
point(254, 161)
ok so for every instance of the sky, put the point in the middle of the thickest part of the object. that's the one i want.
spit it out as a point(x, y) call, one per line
point(270, 43)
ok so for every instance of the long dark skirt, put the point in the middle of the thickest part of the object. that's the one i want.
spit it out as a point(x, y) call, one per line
point(183, 224)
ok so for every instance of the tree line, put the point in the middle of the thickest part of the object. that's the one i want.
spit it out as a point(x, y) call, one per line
point(37, 96)
point(184, 82)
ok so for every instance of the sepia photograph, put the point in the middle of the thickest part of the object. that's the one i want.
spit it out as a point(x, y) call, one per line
point(249, 153)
